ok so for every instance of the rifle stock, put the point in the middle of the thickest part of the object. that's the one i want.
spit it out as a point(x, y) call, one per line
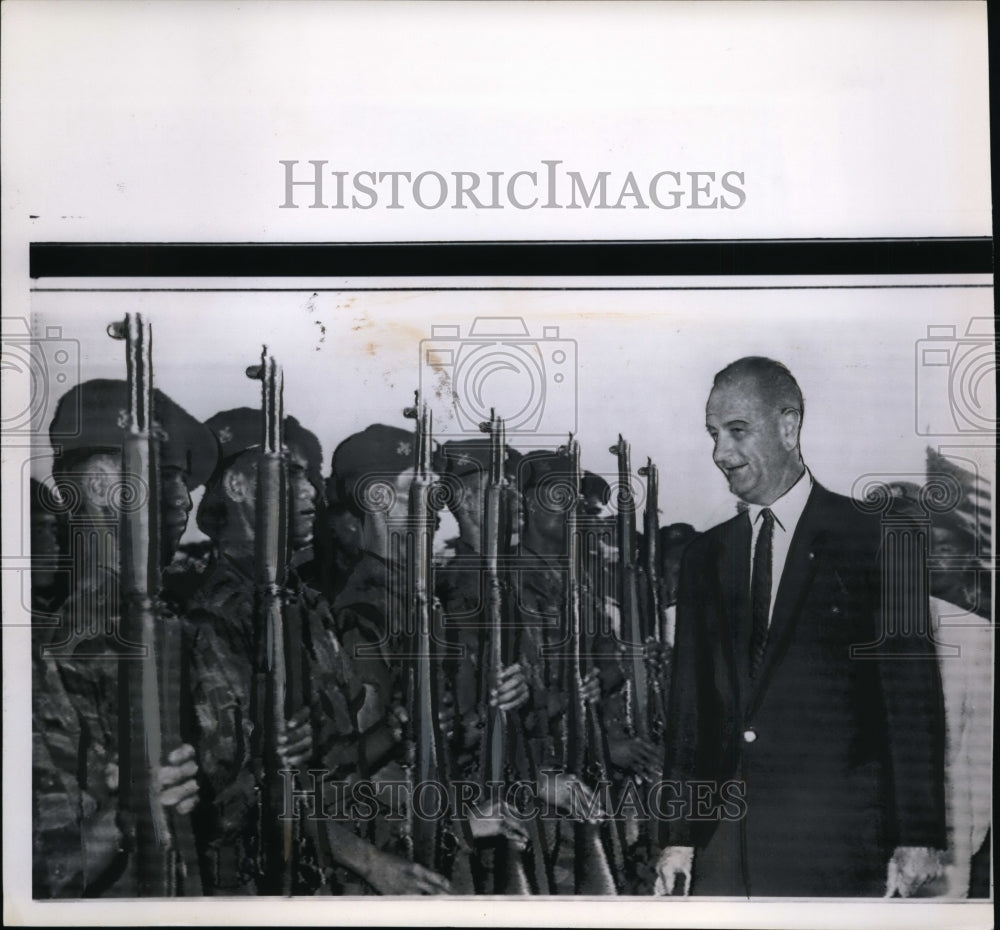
point(164, 856)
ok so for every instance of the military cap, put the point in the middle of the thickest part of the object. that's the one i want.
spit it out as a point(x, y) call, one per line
point(593, 485)
point(377, 449)
point(543, 465)
point(468, 456)
point(91, 417)
point(239, 429)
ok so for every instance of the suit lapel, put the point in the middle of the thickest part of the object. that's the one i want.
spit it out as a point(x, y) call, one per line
point(799, 571)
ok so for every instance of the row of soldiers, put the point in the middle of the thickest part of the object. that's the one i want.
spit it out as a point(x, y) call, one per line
point(205, 722)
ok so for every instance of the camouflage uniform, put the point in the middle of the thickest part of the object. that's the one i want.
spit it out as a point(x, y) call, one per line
point(63, 803)
point(224, 643)
point(370, 612)
point(75, 686)
point(362, 612)
point(223, 651)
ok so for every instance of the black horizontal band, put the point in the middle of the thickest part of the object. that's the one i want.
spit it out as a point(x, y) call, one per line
point(425, 259)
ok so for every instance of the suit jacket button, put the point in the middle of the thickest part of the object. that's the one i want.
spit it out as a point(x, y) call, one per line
point(749, 735)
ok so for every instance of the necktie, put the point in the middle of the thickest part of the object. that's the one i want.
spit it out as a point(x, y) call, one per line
point(760, 591)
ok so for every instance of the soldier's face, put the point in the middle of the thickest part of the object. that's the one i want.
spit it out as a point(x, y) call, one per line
point(302, 500)
point(175, 506)
point(591, 505)
point(755, 444)
point(469, 508)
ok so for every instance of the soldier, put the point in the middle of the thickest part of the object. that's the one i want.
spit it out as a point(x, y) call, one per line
point(595, 493)
point(372, 472)
point(461, 591)
point(461, 587)
point(543, 625)
point(323, 733)
point(79, 848)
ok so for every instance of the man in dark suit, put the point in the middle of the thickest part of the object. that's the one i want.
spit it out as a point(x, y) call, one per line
point(806, 748)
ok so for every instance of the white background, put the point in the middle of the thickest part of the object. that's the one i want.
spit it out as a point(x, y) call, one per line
point(166, 120)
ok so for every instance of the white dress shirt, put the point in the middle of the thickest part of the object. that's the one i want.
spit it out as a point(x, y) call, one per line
point(787, 511)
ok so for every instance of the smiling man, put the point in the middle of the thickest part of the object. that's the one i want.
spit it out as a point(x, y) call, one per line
point(798, 681)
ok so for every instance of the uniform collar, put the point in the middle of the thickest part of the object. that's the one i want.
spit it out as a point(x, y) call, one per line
point(788, 508)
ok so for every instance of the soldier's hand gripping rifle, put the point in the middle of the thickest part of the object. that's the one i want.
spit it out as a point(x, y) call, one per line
point(277, 829)
point(163, 851)
point(651, 601)
point(599, 857)
point(634, 630)
point(426, 833)
point(503, 736)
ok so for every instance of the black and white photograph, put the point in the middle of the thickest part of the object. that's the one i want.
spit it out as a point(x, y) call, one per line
point(662, 592)
point(497, 464)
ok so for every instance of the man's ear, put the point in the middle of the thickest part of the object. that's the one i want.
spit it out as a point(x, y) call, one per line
point(236, 487)
point(789, 425)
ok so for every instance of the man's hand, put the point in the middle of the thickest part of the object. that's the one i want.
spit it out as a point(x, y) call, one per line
point(674, 862)
point(512, 688)
point(636, 756)
point(111, 776)
point(498, 821)
point(910, 868)
point(392, 875)
point(590, 687)
point(295, 745)
point(176, 780)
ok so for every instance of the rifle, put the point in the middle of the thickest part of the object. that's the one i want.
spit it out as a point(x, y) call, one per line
point(628, 594)
point(269, 709)
point(586, 739)
point(162, 841)
point(653, 604)
point(427, 845)
point(503, 736)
